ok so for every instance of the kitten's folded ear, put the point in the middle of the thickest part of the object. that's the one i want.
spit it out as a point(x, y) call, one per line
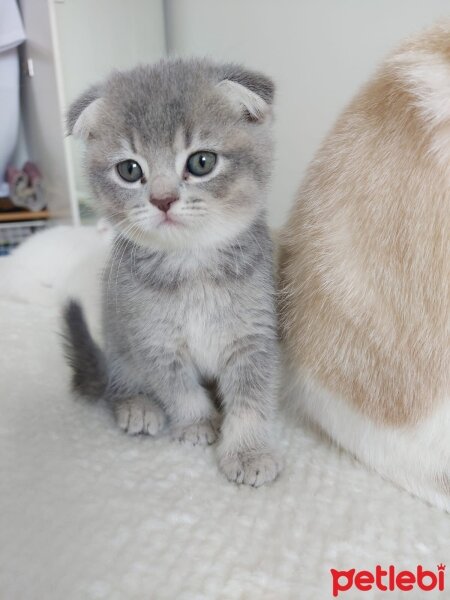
point(83, 113)
point(250, 91)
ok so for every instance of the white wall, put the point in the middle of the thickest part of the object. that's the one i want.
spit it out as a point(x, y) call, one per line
point(318, 51)
point(97, 36)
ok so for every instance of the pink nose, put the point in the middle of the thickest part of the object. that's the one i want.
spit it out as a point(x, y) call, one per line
point(163, 203)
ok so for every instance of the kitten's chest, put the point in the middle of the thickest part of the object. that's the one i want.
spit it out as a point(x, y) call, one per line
point(190, 311)
point(207, 326)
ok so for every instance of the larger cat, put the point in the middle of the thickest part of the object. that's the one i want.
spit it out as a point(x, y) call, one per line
point(365, 269)
point(178, 156)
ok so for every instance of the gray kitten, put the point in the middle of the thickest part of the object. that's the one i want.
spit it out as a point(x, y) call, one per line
point(178, 156)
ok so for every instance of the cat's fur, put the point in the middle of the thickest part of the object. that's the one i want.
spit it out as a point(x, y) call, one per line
point(365, 271)
point(190, 302)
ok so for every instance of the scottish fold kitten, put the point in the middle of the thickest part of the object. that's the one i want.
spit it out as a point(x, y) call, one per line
point(178, 156)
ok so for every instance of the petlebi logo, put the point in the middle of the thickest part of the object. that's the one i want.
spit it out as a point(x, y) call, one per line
point(388, 580)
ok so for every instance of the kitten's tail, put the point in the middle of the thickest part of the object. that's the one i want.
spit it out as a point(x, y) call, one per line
point(90, 375)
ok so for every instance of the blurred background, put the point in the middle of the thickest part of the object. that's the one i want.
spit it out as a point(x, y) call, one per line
point(318, 52)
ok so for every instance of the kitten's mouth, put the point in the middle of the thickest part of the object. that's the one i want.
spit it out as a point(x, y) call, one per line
point(168, 221)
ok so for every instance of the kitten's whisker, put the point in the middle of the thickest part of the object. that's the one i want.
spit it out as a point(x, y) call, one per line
point(133, 256)
point(194, 215)
point(118, 244)
point(118, 223)
point(195, 201)
point(128, 241)
point(134, 252)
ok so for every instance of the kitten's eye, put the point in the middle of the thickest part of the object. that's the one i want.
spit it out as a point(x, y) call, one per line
point(201, 163)
point(129, 170)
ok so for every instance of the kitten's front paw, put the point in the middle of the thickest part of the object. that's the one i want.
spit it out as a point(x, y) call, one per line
point(203, 433)
point(140, 415)
point(251, 468)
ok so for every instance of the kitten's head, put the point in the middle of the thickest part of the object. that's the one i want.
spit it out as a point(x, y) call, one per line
point(179, 153)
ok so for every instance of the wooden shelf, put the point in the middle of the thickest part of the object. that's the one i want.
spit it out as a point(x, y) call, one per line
point(25, 215)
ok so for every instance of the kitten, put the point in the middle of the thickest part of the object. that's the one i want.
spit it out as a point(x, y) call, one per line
point(365, 271)
point(178, 156)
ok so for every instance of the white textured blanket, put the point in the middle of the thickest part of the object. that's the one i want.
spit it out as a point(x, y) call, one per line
point(87, 512)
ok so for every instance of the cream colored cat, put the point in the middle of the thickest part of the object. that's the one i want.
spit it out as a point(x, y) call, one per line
point(365, 270)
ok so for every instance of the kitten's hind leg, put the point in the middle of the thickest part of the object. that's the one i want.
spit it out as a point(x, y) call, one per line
point(202, 433)
point(206, 431)
point(192, 415)
point(139, 414)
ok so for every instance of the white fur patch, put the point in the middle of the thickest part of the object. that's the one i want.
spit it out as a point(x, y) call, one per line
point(87, 119)
point(242, 97)
point(417, 458)
point(428, 79)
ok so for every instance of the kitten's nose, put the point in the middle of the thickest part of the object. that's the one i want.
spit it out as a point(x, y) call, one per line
point(163, 203)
